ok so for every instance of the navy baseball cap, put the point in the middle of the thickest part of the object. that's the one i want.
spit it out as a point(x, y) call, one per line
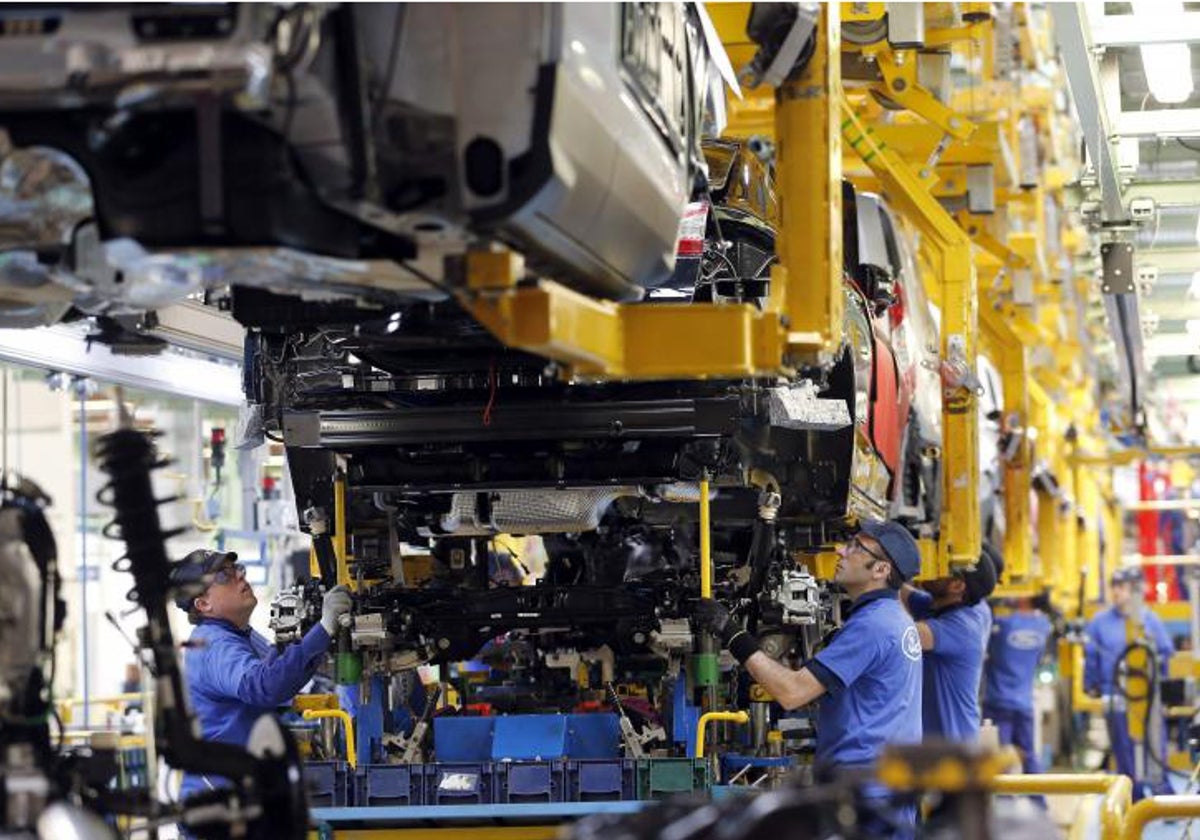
point(189, 574)
point(982, 579)
point(1129, 574)
point(897, 543)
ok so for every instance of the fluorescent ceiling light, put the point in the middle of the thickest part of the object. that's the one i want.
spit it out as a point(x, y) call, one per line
point(1168, 66)
point(1168, 72)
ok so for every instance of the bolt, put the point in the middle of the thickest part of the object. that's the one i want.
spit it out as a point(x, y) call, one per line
point(899, 85)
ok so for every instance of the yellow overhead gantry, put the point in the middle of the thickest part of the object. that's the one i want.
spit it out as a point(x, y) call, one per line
point(978, 167)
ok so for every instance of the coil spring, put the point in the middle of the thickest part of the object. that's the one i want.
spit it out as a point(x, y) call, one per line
point(128, 457)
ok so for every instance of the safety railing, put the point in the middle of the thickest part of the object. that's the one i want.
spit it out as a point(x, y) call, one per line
point(708, 717)
point(1116, 793)
point(1157, 808)
point(347, 724)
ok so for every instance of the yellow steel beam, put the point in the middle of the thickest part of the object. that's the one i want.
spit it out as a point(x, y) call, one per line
point(986, 145)
point(601, 339)
point(806, 283)
point(951, 248)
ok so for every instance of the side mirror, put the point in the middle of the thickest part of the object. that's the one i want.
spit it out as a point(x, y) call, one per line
point(875, 272)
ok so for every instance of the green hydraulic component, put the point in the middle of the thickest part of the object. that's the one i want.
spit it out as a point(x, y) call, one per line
point(704, 669)
point(347, 668)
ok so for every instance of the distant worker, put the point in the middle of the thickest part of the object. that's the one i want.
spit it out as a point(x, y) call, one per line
point(954, 623)
point(868, 677)
point(1014, 651)
point(234, 674)
point(1105, 645)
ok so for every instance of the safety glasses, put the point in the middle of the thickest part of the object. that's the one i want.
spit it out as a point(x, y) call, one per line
point(859, 544)
point(229, 573)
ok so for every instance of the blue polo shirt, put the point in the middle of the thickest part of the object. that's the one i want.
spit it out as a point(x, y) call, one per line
point(1014, 651)
point(871, 673)
point(953, 668)
point(236, 676)
point(1104, 639)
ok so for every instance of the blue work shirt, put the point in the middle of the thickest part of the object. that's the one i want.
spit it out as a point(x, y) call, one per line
point(1014, 651)
point(1104, 639)
point(236, 676)
point(953, 667)
point(871, 673)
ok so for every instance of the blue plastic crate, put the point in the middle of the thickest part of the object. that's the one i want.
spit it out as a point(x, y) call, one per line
point(463, 738)
point(328, 784)
point(662, 777)
point(528, 781)
point(601, 781)
point(458, 783)
point(390, 784)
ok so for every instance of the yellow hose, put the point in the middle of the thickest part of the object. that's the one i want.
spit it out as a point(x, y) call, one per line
point(708, 717)
point(705, 543)
point(347, 723)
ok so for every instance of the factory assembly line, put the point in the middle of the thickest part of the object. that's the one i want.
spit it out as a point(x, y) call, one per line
point(631, 362)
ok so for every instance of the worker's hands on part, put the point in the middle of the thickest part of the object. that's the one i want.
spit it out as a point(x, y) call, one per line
point(334, 605)
point(711, 616)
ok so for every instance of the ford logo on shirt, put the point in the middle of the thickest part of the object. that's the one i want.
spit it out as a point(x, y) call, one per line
point(1026, 640)
point(911, 644)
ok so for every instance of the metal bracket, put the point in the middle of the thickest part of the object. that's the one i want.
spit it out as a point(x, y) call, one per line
point(1117, 267)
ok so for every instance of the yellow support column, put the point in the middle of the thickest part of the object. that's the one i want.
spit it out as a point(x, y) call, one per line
point(1009, 356)
point(806, 283)
point(951, 258)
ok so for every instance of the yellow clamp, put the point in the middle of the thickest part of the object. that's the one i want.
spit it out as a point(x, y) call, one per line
point(347, 723)
point(707, 718)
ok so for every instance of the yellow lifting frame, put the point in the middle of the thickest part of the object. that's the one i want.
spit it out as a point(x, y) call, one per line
point(597, 339)
point(950, 248)
point(1010, 357)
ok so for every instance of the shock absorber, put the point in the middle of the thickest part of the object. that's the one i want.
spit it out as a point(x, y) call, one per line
point(128, 458)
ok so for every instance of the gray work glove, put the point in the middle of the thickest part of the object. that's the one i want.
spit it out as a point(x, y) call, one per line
point(335, 604)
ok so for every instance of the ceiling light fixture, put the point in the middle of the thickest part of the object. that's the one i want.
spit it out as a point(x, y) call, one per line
point(1168, 66)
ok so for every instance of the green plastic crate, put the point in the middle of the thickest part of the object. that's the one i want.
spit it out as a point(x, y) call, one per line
point(658, 778)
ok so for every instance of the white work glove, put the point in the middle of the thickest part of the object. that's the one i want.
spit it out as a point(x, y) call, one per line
point(335, 604)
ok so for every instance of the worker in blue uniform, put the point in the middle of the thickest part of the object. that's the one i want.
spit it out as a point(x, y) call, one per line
point(954, 622)
point(234, 674)
point(1105, 643)
point(1016, 646)
point(867, 677)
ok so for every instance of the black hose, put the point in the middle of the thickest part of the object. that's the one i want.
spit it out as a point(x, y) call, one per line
point(1151, 676)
